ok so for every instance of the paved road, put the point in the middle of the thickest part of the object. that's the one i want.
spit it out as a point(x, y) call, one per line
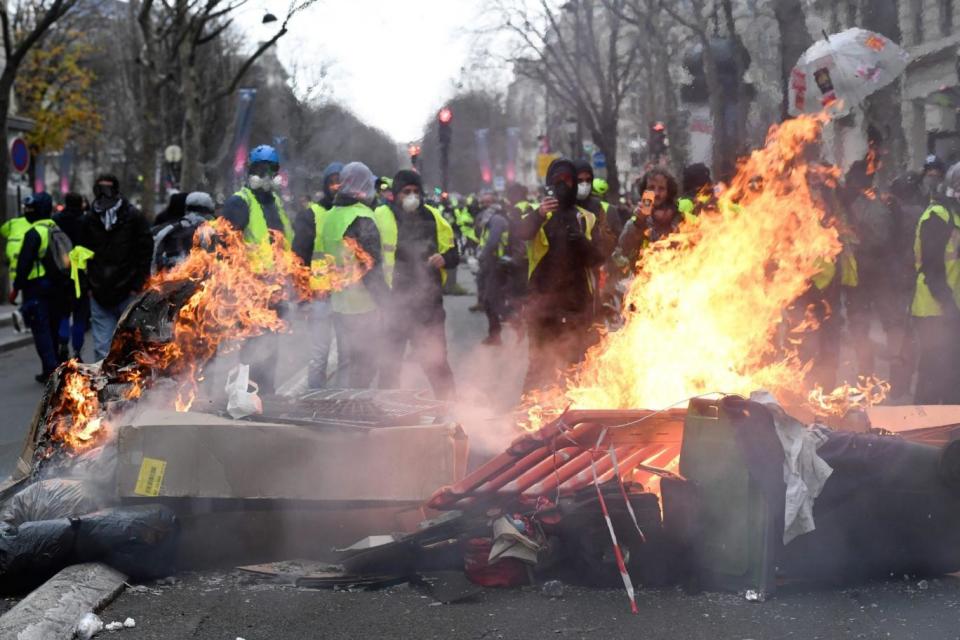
point(216, 606)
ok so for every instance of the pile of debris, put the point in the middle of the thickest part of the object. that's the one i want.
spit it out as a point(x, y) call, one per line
point(730, 494)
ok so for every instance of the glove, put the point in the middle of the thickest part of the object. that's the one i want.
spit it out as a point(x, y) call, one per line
point(12, 297)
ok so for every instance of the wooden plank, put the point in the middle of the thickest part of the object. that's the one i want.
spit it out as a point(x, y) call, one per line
point(52, 610)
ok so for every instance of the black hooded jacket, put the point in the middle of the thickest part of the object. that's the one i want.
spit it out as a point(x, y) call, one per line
point(121, 262)
point(560, 283)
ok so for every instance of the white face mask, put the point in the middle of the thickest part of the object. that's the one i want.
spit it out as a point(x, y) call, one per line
point(583, 190)
point(410, 203)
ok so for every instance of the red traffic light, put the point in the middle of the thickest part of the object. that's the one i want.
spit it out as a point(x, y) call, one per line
point(658, 126)
point(413, 149)
point(445, 116)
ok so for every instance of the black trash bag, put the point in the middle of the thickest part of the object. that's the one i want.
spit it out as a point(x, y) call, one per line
point(140, 541)
point(48, 500)
point(33, 552)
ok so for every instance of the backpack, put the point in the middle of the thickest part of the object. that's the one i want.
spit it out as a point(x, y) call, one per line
point(58, 249)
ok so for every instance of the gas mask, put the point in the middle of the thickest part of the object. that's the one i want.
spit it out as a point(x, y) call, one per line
point(265, 183)
point(410, 203)
point(583, 190)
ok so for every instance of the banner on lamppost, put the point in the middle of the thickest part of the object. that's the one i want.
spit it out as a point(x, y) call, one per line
point(481, 136)
point(513, 144)
point(241, 136)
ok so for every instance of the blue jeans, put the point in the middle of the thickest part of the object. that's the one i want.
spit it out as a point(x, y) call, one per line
point(321, 337)
point(103, 322)
point(41, 311)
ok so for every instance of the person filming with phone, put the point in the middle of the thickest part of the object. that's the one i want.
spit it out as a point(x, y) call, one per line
point(562, 252)
point(656, 217)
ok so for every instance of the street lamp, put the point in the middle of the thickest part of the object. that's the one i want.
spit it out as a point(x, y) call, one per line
point(570, 128)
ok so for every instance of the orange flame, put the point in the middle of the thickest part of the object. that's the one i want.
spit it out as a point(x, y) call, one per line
point(868, 391)
point(238, 293)
point(76, 422)
point(239, 290)
point(706, 305)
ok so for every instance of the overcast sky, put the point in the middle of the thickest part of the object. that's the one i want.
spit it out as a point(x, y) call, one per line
point(393, 62)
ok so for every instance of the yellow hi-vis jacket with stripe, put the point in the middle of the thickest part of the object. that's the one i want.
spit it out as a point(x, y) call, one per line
point(924, 304)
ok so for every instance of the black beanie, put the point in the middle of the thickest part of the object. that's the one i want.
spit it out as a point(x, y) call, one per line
point(406, 177)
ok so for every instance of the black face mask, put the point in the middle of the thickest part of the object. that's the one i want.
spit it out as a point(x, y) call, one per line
point(564, 194)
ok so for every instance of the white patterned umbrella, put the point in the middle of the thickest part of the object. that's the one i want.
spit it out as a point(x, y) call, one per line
point(840, 71)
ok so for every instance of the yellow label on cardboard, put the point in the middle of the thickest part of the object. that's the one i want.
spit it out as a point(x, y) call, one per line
point(150, 478)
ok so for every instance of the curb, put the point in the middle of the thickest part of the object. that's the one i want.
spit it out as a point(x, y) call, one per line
point(20, 340)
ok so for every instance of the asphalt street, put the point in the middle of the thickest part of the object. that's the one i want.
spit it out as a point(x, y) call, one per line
point(228, 605)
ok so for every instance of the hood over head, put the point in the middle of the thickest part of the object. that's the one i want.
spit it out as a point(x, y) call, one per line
point(582, 165)
point(39, 206)
point(357, 182)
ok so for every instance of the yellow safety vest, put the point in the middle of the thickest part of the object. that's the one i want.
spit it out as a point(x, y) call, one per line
point(924, 304)
point(13, 231)
point(42, 228)
point(386, 222)
point(849, 273)
point(354, 299)
point(387, 225)
point(539, 246)
point(257, 231)
point(504, 241)
point(445, 238)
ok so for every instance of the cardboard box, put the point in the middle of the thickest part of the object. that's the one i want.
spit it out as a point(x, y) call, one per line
point(927, 424)
point(193, 455)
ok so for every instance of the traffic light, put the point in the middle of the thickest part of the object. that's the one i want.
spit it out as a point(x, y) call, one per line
point(444, 118)
point(658, 140)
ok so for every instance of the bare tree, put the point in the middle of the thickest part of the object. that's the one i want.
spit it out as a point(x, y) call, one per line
point(23, 29)
point(587, 56)
point(174, 35)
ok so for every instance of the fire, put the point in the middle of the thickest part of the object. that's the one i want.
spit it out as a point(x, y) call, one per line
point(868, 391)
point(75, 421)
point(706, 306)
point(239, 295)
point(234, 292)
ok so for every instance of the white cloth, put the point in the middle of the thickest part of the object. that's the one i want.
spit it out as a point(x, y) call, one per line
point(804, 472)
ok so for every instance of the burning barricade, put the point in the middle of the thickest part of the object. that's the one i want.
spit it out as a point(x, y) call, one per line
point(136, 463)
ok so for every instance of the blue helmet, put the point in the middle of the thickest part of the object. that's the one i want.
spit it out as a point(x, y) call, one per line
point(263, 153)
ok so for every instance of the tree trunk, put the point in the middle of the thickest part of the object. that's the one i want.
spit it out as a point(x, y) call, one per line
point(190, 172)
point(6, 86)
point(715, 91)
point(794, 40)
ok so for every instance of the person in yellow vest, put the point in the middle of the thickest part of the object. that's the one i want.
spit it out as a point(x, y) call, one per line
point(355, 309)
point(43, 285)
point(563, 253)
point(697, 193)
point(12, 232)
point(936, 299)
point(307, 238)
point(425, 251)
point(256, 209)
point(606, 234)
point(821, 304)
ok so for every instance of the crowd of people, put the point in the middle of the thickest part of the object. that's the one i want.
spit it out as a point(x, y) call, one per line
point(547, 264)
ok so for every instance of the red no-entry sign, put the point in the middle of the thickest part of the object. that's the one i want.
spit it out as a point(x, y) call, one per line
point(19, 155)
